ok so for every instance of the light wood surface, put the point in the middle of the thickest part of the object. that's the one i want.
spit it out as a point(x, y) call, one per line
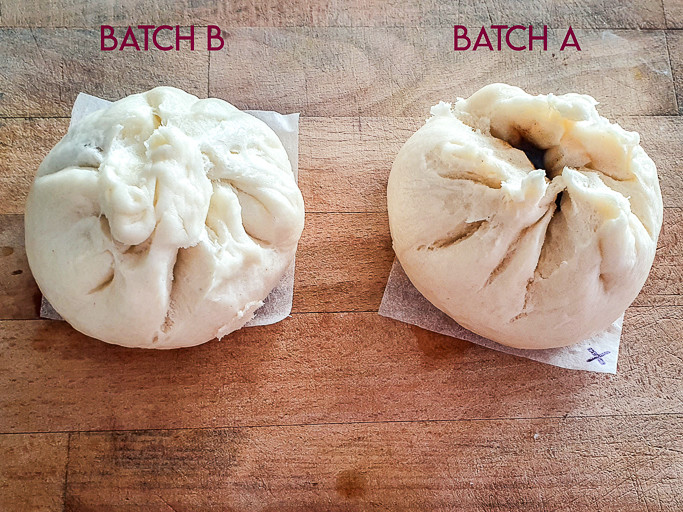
point(337, 408)
point(32, 469)
point(675, 43)
point(538, 464)
point(647, 14)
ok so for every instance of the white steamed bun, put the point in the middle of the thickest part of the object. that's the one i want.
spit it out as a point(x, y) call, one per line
point(530, 258)
point(163, 220)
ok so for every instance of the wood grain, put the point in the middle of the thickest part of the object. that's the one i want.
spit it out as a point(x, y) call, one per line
point(343, 264)
point(344, 161)
point(612, 464)
point(662, 138)
point(320, 368)
point(32, 471)
point(23, 145)
point(326, 410)
point(43, 70)
point(335, 72)
point(673, 13)
point(273, 13)
point(19, 294)
point(664, 285)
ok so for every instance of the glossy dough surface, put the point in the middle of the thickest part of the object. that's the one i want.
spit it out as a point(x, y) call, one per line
point(531, 258)
point(163, 220)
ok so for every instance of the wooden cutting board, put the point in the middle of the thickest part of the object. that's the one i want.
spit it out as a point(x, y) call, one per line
point(337, 408)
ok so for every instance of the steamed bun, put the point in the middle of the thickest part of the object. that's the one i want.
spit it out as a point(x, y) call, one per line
point(528, 257)
point(163, 220)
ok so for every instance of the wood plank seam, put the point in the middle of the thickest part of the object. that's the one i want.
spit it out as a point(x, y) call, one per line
point(341, 118)
point(358, 118)
point(307, 26)
point(423, 421)
point(343, 311)
point(66, 470)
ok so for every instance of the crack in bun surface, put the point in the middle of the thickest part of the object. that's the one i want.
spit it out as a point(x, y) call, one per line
point(528, 256)
point(163, 220)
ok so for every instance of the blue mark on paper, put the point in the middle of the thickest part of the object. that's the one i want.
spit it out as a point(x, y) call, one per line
point(597, 356)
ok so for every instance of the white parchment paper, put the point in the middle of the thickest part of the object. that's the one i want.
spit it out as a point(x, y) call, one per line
point(278, 305)
point(402, 301)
